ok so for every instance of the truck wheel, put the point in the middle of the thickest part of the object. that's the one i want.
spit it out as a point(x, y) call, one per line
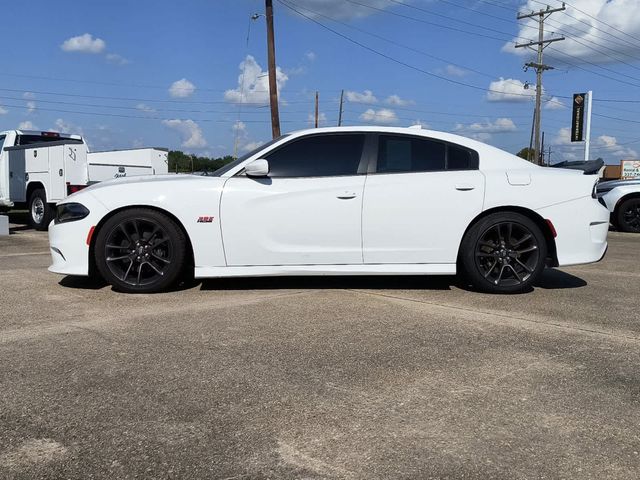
point(628, 215)
point(504, 252)
point(140, 250)
point(40, 212)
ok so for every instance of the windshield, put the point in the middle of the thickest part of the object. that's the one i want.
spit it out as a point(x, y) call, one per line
point(222, 170)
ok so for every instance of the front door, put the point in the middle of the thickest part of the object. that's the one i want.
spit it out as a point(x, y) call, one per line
point(306, 212)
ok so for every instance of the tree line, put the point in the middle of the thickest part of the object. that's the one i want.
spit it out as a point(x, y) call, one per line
point(180, 162)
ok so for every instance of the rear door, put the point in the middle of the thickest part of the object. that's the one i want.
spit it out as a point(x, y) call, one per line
point(419, 200)
point(306, 212)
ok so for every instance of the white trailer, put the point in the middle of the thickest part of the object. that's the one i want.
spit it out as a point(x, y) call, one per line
point(127, 163)
point(38, 169)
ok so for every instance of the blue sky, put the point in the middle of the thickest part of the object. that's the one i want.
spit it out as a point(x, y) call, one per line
point(162, 73)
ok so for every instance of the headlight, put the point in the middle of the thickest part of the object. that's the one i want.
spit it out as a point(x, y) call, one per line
point(70, 212)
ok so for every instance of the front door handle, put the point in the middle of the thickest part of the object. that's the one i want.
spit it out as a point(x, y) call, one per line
point(347, 195)
point(464, 187)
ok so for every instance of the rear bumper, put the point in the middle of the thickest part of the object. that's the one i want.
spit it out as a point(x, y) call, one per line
point(582, 226)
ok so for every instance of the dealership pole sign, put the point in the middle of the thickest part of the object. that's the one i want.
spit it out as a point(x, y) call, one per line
point(577, 118)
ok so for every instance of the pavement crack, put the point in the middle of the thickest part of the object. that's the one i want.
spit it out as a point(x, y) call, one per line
point(501, 315)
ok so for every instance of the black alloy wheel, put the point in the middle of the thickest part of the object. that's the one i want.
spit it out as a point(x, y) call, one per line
point(507, 254)
point(140, 250)
point(504, 252)
point(629, 215)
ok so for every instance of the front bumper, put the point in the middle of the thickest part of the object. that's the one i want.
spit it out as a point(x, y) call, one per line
point(582, 226)
point(68, 241)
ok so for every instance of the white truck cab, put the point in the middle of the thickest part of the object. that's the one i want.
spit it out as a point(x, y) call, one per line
point(38, 169)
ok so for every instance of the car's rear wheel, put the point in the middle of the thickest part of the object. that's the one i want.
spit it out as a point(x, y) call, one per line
point(504, 252)
point(140, 250)
point(628, 216)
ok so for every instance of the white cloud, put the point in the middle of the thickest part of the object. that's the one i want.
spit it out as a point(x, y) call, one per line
point(311, 56)
point(322, 119)
point(396, 101)
point(339, 8)
point(182, 88)
point(116, 59)
point(247, 147)
point(510, 90)
point(554, 103)
point(189, 131)
point(365, 97)
point(3, 111)
point(31, 106)
point(604, 146)
point(29, 95)
point(483, 130)
point(67, 127)
point(588, 32)
point(384, 116)
point(27, 125)
point(145, 108)
point(253, 83)
point(84, 44)
point(453, 71)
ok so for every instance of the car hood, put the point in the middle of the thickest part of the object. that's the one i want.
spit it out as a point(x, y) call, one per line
point(145, 179)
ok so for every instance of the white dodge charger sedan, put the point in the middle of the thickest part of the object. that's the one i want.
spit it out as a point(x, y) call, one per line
point(338, 201)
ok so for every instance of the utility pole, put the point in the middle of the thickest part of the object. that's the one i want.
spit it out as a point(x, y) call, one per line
point(273, 85)
point(539, 66)
point(587, 139)
point(316, 109)
point(341, 106)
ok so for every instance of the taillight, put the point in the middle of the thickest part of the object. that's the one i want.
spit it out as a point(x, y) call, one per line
point(74, 188)
point(551, 228)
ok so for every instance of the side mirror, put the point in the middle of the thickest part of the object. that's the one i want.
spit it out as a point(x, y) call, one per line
point(257, 168)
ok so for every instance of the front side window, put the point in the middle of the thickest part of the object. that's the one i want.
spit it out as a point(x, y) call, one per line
point(2, 137)
point(404, 154)
point(409, 154)
point(318, 156)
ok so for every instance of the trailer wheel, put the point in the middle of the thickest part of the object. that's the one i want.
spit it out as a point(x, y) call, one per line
point(40, 212)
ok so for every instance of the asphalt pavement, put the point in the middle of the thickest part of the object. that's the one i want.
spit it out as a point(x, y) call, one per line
point(313, 378)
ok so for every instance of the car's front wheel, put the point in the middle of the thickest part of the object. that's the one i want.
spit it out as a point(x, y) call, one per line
point(504, 252)
point(628, 215)
point(140, 250)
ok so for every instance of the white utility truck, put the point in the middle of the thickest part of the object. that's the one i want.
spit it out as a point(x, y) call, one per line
point(38, 169)
point(127, 163)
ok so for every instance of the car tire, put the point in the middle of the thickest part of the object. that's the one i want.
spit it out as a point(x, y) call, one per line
point(504, 252)
point(140, 250)
point(40, 212)
point(628, 215)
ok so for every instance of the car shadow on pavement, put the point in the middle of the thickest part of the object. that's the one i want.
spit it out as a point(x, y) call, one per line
point(410, 282)
point(18, 221)
point(553, 279)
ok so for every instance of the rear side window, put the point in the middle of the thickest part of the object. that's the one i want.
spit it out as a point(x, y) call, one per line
point(398, 154)
point(317, 156)
point(408, 154)
point(460, 158)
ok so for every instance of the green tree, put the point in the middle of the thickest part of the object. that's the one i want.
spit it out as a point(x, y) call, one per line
point(180, 162)
point(526, 153)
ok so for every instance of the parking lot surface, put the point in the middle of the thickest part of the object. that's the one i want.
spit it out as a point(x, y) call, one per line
point(376, 378)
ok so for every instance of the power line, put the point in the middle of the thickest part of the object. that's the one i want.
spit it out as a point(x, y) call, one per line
point(395, 60)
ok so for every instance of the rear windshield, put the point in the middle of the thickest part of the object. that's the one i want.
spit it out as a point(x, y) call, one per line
point(29, 139)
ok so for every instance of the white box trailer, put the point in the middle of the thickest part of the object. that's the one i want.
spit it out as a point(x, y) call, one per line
point(127, 163)
point(38, 169)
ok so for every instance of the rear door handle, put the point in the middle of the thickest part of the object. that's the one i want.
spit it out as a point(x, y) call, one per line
point(347, 195)
point(464, 187)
